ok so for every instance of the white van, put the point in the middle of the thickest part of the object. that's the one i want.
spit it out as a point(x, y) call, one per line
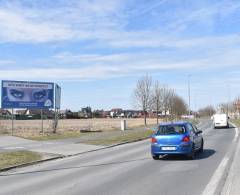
point(220, 120)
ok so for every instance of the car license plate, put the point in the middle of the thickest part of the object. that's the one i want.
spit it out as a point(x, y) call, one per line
point(168, 148)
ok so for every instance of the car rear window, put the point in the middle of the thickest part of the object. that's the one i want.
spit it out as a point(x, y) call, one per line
point(171, 129)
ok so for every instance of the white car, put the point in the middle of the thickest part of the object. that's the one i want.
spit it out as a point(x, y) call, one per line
point(220, 120)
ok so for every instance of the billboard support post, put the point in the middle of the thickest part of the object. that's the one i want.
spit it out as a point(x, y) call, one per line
point(57, 106)
point(12, 121)
point(42, 121)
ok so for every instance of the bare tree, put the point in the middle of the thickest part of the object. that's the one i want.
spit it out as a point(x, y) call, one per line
point(142, 95)
point(156, 99)
point(207, 111)
point(167, 94)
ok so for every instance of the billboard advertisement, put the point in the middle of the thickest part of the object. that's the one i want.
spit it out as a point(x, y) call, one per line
point(24, 94)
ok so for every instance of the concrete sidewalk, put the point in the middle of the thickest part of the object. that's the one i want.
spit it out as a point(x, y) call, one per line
point(232, 184)
point(59, 147)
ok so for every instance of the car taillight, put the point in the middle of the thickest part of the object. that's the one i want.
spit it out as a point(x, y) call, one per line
point(153, 140)
point(186, 139)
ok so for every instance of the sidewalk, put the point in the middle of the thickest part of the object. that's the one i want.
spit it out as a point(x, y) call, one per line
point(232, 184)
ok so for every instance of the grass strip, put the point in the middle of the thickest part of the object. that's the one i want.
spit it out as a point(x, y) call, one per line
point(236, 122)
point(8, 159)
point(125, 137)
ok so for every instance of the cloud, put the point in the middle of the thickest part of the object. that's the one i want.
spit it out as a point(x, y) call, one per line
point(74, 21)
point(106, 25)
point(17, 28)
point(205, 14)
point(4, 63)
point(99, 66)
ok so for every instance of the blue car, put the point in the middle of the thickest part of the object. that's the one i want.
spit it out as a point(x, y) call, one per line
point(176, 138)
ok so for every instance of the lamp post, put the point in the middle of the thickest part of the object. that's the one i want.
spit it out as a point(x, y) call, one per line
point(189, 95)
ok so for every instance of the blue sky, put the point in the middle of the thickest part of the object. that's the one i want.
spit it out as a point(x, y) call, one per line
point(97, 49)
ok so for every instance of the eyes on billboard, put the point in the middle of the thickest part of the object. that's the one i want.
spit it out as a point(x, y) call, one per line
point(24, 94)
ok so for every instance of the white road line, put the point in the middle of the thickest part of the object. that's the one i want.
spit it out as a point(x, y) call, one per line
point(236, 134)
point(12, 148)
point(213, 184)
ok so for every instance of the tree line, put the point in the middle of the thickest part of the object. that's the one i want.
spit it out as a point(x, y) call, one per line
point(151, 95)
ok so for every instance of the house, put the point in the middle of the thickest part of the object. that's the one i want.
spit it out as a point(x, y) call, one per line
point(34, 114)
point(85, 112)
point(117, 112)
point(5, 113)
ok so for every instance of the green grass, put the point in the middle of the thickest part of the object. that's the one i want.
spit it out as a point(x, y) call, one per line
point(8, 159)
point(53, 136)
point(125, 137)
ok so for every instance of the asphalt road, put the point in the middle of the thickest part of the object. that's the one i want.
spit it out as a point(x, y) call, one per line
point(126, 169)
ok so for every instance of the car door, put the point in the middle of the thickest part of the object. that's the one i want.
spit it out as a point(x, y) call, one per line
point(198, 136)
point(193, 135)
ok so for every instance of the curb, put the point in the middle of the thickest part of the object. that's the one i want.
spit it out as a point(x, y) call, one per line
point(107, 147)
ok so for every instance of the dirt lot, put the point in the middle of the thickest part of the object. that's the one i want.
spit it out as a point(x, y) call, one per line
point(34, 126)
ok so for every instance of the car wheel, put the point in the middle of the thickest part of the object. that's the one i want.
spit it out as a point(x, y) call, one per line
point(191, 155)
point(202, 145)
point(155, 157)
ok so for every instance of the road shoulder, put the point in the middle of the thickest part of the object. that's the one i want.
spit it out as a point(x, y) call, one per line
point(232, 184)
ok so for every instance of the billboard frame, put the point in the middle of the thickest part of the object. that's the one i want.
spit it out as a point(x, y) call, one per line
point(28, 107)
point(53, 98)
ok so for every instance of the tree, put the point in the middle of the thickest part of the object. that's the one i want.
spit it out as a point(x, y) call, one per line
point(179, 106)
point(156, 99)
point(206, 111)
point(167, 94)
point(142, 95)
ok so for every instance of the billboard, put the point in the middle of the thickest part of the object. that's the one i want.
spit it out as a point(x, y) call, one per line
point(24, 94)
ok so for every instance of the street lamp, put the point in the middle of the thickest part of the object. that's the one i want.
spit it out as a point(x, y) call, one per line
point(189, 96)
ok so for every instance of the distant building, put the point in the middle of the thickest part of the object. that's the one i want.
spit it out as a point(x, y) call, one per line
point(5, 113)
point(34, 114)
point(85, 112)
point(117, 112)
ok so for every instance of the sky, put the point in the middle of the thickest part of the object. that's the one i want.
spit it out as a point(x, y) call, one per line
point(97, 50)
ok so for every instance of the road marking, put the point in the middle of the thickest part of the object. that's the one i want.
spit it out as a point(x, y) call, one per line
point(12, 148)
point(236, 134)
point(229, 185)
point(213, 184)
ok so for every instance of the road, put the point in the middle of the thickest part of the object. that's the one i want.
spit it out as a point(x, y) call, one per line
point(125, 169)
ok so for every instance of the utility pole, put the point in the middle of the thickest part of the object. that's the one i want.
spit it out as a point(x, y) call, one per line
point(229, 98)
point(189, 95)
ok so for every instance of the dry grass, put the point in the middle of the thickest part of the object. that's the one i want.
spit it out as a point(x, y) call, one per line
point(33, 127)
point(236, 122)
point(8, 159)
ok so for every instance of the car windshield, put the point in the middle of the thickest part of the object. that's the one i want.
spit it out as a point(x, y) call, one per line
point(171, 129)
